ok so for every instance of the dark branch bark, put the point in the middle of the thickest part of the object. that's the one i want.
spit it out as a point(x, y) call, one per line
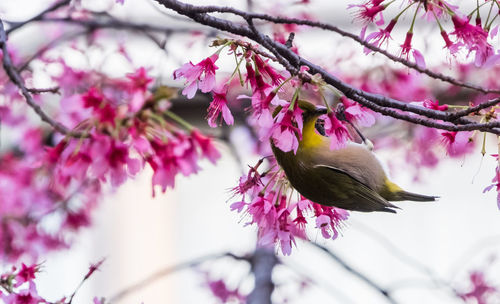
point(332, 28)
point(292, 62)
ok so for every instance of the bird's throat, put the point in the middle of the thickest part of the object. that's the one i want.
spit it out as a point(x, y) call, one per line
point(310, 138)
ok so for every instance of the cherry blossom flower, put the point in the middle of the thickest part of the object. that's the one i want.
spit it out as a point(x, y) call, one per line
point(495, 184)
point(380, 37)
point(338, 132)
point(219, 106)
point(457, 143)
point(287, 129)
point(431, 104)
point(206, 145)
point(406, 49)
point(368, 12)
point(201, 75)
point(481, 290)
point(474, 38)
point(354, 112)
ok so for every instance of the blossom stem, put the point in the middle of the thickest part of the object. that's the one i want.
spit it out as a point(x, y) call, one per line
point(489, 13)
point(483, 148)
point(488, 26)
point(282, 84)
point(471, 13)
point(402, 12)
point(328, 108)
point(294, 99)
point(237, 69)
point(179, 120)
point(269, 182)
point(414, 18)
point(441, 29)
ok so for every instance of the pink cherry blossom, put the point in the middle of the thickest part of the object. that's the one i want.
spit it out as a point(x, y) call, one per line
point(338, 132)
point(474, 38)
point(201, 75)
point(354, 112)
point(206, 145)
point(287, 129)
point(480, 291)
point(219, 106)
point(380, 37)
point(457, 143)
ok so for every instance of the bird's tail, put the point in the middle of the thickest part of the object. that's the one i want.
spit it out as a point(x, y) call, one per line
point(409, 196)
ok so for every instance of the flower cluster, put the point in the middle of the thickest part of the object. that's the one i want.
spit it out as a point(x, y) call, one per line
point(19, 286)
point(473, 38)
point(268, 199)
point(124, 127)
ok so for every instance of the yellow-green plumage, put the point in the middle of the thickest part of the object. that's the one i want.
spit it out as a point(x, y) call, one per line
point(350, 178)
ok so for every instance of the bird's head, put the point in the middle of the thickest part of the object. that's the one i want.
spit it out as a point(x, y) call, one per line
point(311, 111)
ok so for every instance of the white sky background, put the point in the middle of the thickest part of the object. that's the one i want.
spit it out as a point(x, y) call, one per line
point(140, 235)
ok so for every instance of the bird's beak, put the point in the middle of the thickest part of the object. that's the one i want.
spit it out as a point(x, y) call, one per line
point(320, 111)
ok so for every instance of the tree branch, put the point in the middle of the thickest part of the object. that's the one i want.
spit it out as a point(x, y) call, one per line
point(263, 262)
point(384, 292)
point(378, 103)
point(170, 270)
point(332, 28)
point(19, 82)
point(53, 7)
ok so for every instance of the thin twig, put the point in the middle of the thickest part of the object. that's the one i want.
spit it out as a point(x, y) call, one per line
point(332, 28)
point(170, 270)
point(376, 102)
point(383, 291)
point(19, 82)
point(54, 90)
point(39, 16)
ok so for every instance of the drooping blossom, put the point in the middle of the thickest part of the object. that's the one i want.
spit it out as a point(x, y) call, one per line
point(406, 49)
point(219, 106)
point(328, 220)
point(495, 184)
point(200, 75)
point(481, 291)
point(287, 129)
point(206, 146)
point(453, 47)
point(368, 12)
point(474, 38)
point(354, 112)
point(138, 88)
point(457, 143)
point(380, 37)
point(280, 219)
point(221, 291)
point(337, 131)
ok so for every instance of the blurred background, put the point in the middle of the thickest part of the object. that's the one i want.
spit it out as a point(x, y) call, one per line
point(421, 254)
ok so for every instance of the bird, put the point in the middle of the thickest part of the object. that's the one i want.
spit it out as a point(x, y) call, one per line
point(351, 178)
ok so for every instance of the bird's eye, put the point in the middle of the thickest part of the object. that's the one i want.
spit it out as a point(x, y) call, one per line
point(320, 126)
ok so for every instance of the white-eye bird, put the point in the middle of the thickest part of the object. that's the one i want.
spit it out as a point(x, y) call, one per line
point(350, 178)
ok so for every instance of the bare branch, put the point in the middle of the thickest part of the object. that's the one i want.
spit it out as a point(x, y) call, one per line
point(19, 82)
point(384, 292)
point(170, 270)
point(53, 7)
point(332, 28)
point(293, 62)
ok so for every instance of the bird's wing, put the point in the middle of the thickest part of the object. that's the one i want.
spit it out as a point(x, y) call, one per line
point(356, 195)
